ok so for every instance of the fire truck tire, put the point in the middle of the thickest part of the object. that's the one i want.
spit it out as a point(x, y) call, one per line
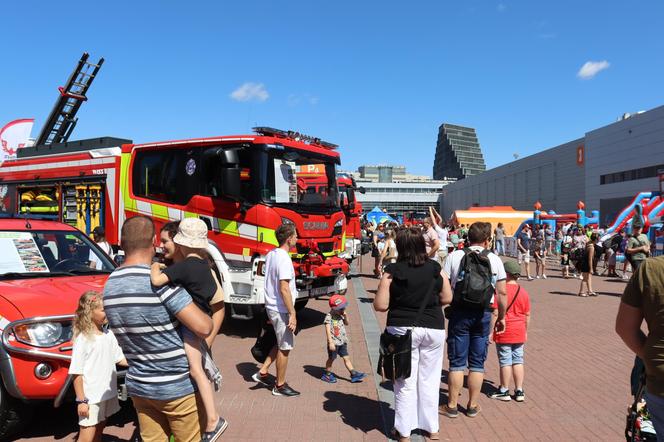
point(300, 304)
point(13, 414)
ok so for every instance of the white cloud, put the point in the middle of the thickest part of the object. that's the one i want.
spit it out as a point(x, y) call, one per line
point(501, 7)
point(592, 68)
point(313, 100)
point(250, 92)
point(297, 99)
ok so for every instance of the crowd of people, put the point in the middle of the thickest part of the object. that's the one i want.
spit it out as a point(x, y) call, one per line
point(482, 300)
point(163, 318)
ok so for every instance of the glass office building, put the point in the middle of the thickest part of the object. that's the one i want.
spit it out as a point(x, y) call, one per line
point(458, 153)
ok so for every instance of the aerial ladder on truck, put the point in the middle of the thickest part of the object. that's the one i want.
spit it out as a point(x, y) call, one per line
point(78, 202)
point(62, 120)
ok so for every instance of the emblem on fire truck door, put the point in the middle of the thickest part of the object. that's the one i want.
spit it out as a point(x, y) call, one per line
point(190, 167)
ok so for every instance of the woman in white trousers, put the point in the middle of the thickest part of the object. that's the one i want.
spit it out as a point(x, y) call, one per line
point(415, 282)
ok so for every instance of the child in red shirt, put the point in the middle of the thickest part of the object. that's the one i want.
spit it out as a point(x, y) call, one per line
point(510, 343)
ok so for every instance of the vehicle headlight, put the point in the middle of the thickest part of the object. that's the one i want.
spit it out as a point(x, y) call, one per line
point(42, 334)
point(285, 220)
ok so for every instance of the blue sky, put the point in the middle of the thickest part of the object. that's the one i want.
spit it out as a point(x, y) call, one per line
point(377, 78)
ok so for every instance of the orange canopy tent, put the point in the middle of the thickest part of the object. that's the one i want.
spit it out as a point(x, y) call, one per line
point(510, 218)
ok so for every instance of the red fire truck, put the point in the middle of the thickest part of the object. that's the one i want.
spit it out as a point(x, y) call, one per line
point(353, 211)
point(242, 186)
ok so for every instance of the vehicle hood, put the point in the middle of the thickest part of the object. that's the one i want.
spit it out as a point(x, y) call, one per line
point(49, 296)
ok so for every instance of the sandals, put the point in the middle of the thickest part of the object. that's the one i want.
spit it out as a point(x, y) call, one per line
point(592, 294)
point(583, 295)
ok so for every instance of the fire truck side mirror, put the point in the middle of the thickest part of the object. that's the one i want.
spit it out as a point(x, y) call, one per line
point(343, 200)
point(230, 183)
point(228, 157)
point(362, 190)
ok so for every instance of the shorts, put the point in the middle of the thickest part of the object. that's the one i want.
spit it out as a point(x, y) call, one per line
point(524, 256)
point(280, 324)
point(468, 339)
point(509, 354)
point(341, 350)
point(99, 412)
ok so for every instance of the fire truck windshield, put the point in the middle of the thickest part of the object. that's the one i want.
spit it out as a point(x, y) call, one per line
point(300, 180)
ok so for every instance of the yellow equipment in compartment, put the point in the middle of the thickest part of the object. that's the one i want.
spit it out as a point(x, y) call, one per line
point(39, 200)
point(88, 200)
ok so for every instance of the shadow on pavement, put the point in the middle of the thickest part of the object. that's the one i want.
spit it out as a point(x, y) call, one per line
point(566, 294)
point(358, 412)
point(240, 328)
point(247, 370)
point(317, 372)
point(308, 318)
point(488, 387)
point(59, 423)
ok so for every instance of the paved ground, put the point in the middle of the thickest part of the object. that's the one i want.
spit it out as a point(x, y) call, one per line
point(576, 379)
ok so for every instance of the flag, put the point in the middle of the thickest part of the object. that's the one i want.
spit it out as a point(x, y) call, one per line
point(13, 136)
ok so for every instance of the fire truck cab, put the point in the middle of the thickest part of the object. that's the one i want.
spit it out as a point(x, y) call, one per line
point(352, 211)
point(243, 187)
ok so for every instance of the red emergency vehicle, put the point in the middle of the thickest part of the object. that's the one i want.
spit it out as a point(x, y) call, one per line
point(45, 267)
point(242, 186)
point(352, 211)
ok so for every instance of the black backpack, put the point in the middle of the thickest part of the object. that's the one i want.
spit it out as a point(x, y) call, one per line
point(474, 288)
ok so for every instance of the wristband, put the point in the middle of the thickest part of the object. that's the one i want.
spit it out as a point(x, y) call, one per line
point(82, 401)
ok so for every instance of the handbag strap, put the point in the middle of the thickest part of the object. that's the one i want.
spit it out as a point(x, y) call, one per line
point(513, 299)
point(424, 302)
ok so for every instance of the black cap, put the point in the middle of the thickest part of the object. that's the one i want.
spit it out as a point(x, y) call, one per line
point(99, 231)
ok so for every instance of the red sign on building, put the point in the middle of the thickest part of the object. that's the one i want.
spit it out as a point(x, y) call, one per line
point(580, 155)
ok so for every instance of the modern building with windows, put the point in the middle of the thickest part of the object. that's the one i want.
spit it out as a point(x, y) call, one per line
point(400, 197)
point(393, 189)
point(605, 169)
point(458, 153)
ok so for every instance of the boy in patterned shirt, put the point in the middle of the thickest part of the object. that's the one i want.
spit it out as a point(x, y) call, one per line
point(337, 340)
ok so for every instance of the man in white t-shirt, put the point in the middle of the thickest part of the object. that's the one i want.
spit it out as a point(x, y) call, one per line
point(469, 327)
point(280, 294)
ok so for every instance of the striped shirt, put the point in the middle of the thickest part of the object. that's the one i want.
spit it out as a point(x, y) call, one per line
point(142, 317)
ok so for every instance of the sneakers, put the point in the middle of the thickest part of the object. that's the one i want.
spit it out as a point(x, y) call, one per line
point(530, 278)
point(357, 376)
point(519, 396)
point(329, 378)
point(472, 411)
point(211, 436)
point(501, 395)
point(537, 277)
point(449, 412)
point(284, 390)
point(543, 276)
point(260, 379)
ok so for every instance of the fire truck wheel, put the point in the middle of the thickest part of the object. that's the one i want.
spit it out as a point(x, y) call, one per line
point(300, 304)
point(13, 414)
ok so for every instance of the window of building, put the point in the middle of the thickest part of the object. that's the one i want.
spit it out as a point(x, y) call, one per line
point(630, 175)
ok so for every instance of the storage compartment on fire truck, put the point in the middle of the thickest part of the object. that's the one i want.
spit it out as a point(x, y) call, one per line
point(79, 204)
point(39, 200)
